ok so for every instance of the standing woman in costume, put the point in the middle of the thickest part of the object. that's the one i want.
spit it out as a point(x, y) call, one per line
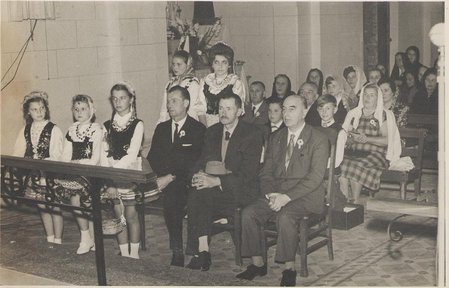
point(41, 139)
point(121, 149)
point(220, 82)
point(184, 76)
point(82, 145)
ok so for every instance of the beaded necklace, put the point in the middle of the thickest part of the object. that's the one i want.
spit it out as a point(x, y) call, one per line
point(82, 135)
point(119, 128)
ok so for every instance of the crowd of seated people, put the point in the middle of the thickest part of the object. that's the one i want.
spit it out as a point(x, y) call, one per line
point(215, 149)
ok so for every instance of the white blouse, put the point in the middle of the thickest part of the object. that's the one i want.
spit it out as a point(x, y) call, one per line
point(56, 140)
point(96, 138)
point(129, 161)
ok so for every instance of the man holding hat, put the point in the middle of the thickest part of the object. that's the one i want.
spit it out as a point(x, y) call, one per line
point(217, 192)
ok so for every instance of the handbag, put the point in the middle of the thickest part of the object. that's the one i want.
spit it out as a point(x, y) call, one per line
point(115, 225)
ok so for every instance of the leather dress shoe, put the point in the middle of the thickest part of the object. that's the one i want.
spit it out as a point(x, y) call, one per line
point(252, 271)
point(201, 261)
point(288, 278)
point(177, 260)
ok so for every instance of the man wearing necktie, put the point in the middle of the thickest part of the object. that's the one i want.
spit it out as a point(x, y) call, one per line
point(175, 147)
point(257, 110)
point(291, 182)
point(238, 145)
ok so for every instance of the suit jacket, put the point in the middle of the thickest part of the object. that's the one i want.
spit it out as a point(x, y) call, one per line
point(242, 158)
point(262, 114)
point(267, 131)
point(165, 157)
point(303, 179)
point(313, 117)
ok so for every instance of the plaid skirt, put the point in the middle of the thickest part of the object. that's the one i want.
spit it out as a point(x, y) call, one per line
point(366, 169)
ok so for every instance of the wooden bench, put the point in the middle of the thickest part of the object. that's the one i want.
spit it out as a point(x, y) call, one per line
point(416, 153)
point(429, 122)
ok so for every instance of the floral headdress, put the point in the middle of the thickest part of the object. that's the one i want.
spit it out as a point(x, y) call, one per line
point(36, 95)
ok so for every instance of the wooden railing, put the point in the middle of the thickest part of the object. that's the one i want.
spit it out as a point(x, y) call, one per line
point(15, 169)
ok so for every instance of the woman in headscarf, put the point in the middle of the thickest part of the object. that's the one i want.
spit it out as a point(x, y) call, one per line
point(316, 76)
point(412, 53)
point(410, 87)
point(426, 100)
point(355, 77)
point(372, 140)
point(220, 82)
point(345, 102)
point(184, 76)
point(400, 65)
point(282, 87)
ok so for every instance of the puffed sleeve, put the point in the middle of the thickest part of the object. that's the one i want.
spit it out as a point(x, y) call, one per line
point(56, 145)
point(104, 161)
point(20, 146)
point(133, 150)
point(201, 100)
point(197, 105)
point(97, 137)
point(239, 90)
point(67, 151)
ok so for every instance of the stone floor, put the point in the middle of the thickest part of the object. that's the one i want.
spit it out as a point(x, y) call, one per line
point(361, 255)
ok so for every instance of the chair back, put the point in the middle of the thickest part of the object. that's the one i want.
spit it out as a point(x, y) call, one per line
point(415, 151)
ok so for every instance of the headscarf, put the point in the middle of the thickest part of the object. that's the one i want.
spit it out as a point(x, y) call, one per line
point(85, 99)
point(321, 83)
point(345, 94)
point(361, 78)
point(393, 138)
point(188, 73)
point(289, 86)
point(356, 113)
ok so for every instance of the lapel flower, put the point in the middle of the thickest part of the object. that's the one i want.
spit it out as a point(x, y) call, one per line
point(257, 114)
point(300, 142)
point(182, 133)
point(372, 122)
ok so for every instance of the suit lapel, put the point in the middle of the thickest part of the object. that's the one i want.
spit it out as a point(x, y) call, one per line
point(282, 150)
point(305, 137)
point(232, 145)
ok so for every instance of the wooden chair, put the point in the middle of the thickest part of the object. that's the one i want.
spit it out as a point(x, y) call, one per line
point(416, 153)
point(312, 226)
point(429, 122)
point(234, 226)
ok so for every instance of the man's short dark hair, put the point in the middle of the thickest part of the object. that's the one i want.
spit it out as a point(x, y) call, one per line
point(184, 92)
point(276, 100)
point(324, 99)
point(237, 100)
point(258, 83)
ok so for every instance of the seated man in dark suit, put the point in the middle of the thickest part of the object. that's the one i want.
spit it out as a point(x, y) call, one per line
point(175, 148)
point(257, 111)
point(239, 145)
point(310, 91)
point(291, 183)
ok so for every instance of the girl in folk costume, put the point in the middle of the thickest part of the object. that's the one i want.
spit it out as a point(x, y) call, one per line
point(121, 147)
point(184, 76)
point(221, 81)
point(82, 145)
point(41, 139)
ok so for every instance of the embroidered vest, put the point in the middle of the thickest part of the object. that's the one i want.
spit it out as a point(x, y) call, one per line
point(119, 141)
point(213, 99)
point(81, 150)
point(42, 150)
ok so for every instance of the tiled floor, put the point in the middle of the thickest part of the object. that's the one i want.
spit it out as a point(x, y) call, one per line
point(361, 256)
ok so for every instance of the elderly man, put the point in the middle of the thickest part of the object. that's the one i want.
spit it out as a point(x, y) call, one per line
point(238, 145)
point(175, 148)
point(309, 90)
point(292, 184)
point(257, 111)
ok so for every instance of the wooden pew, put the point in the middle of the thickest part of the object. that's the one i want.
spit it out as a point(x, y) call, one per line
point(429, 122)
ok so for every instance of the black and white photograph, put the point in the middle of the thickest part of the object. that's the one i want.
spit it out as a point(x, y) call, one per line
point(224, 143)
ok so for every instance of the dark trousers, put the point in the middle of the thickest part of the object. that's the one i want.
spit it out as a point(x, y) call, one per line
point(174, 202)
point(203, 207)
point(287, 220)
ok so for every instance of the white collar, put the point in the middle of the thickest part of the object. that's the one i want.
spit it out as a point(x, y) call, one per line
point(329, 123)
point(257, 106)
point(297, 133)
point(278, 124)
point(230, 130)
point(180, 123)
point(122, 120)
